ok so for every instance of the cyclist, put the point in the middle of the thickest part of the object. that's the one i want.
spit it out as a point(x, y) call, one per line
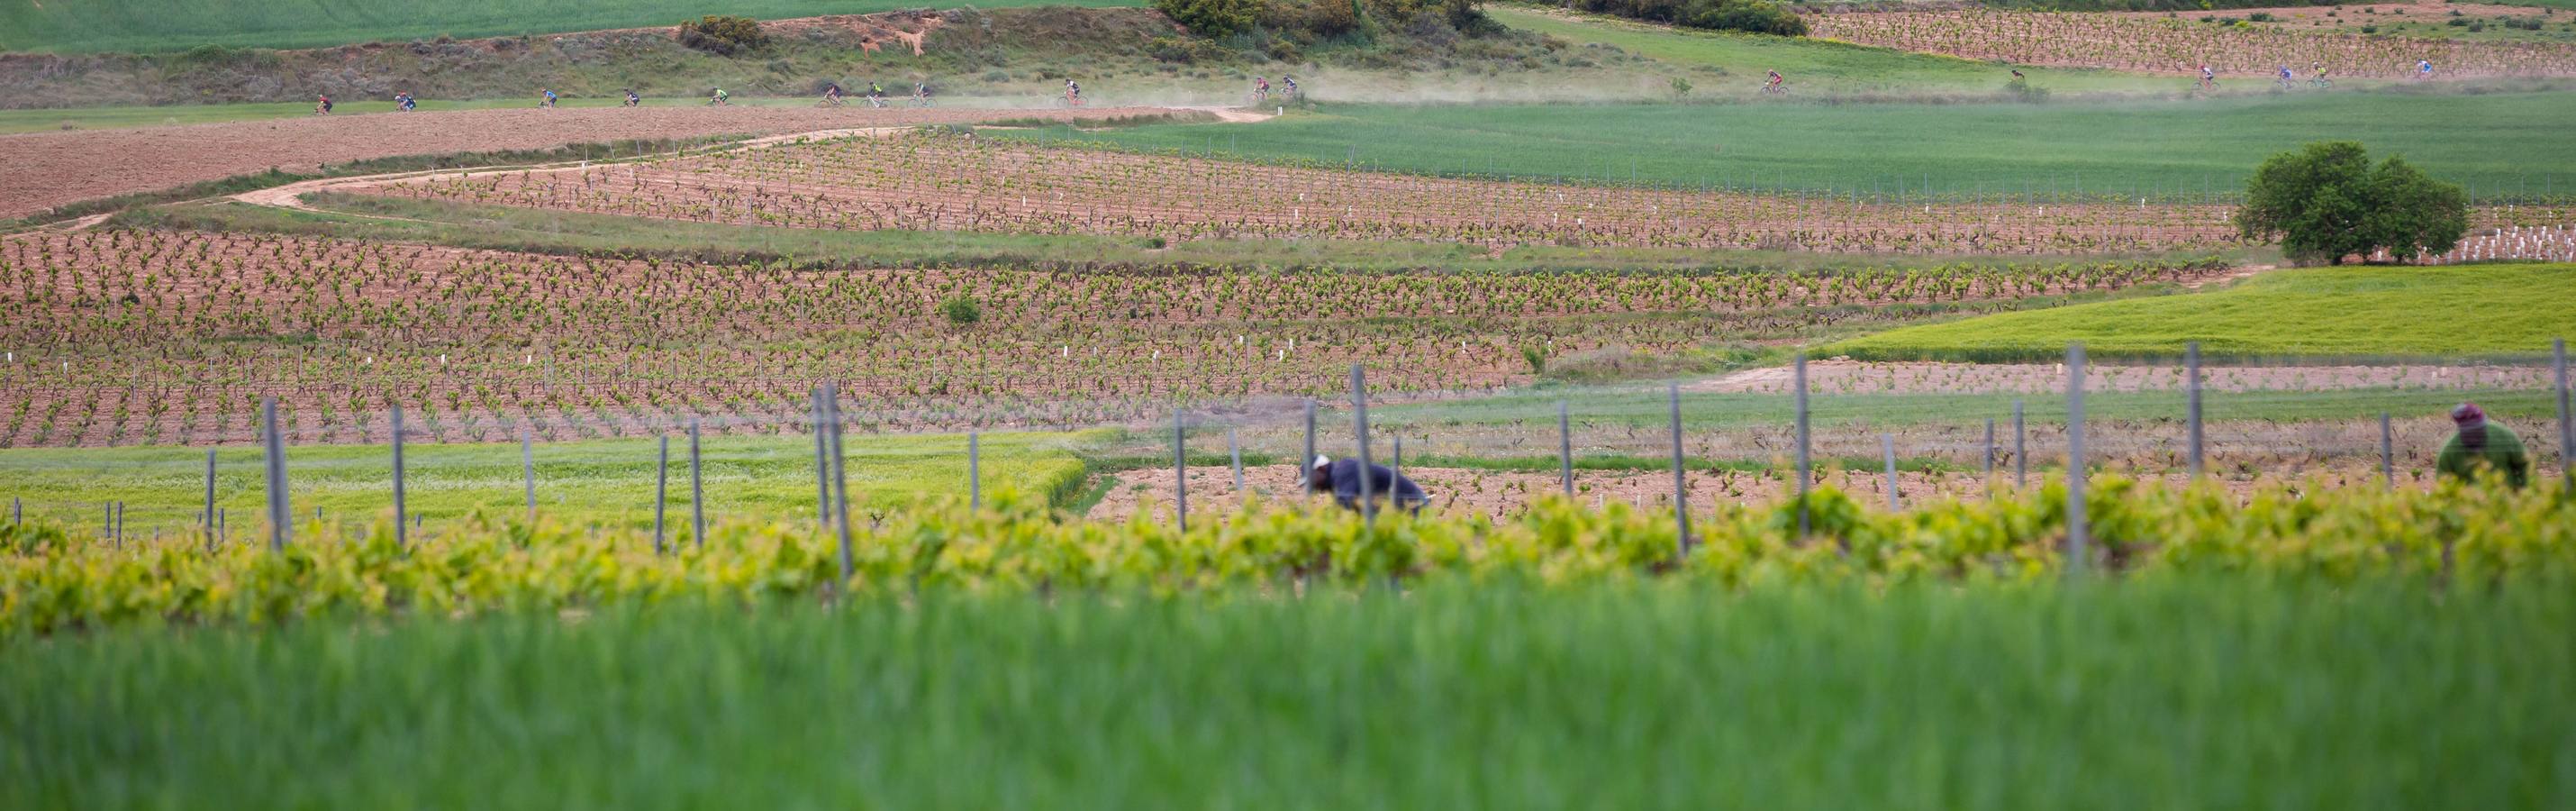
point(549, 103)
point(1072, 93)
point(2208, 78)
point(832, 94)
point(403, 102)
point(2017, 74)
point(921, 94)
point(322, 107)
point(633, 100)
point(1772, 84)
point(876, 94)
point(2286, 77)
point(1260, 89)
point(1291, 81)
point(2423, 68)
point(719, 98)
point(2319, 68)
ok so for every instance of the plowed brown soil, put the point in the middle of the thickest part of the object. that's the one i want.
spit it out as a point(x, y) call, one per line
point(42, 170)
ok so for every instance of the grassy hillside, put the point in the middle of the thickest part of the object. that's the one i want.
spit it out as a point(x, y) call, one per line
point(2151, 694)
point(609, 480)
point(1021, 52)
point(94, 26)
point(2498, 142)
point(2457, 311)
point(1729, 64)
point(1004, 57)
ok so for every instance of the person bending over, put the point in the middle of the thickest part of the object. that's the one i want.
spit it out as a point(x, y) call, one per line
point(1342, 478)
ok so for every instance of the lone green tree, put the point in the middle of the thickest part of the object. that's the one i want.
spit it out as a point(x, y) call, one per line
point(2326, 202)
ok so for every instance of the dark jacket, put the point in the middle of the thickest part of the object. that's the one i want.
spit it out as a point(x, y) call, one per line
point(1343, 479)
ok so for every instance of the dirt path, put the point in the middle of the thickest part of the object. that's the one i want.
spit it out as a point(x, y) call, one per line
point(39, 171)
point(292, 195)
point(2241, 273)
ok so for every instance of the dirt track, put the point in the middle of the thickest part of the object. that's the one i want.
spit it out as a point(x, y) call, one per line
point(43, 170)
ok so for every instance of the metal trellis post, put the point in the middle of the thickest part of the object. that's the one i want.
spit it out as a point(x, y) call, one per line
point(661, 489)
point(840, 474)
point(1180, 473)
point(697, 491)
point(1887, 446)
point(208, 516)
point(1234, 457)
point(1360, 436)
point(528, 472)
point(1565, 447)
point(2079, 547)
point(1681, 494)
point(1990, 451)
point(2191, 390)
point(276, 463)
point(2387, 452)
point(2566, 429)
point(1799, 384)
point(2021, 444)
point(402, 532)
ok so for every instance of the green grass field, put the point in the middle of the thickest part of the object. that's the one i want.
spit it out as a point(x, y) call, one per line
point(611, 481)
point(2148, 694)
point(1731, 64)
point(77, 26)
point(2444, 312)
point(2503, 143)
point(1534, 411)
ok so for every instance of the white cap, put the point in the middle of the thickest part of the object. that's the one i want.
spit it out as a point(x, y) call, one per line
point(1321, 460)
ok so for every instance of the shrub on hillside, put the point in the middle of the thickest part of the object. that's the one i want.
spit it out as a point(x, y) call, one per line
point(1183, 50)
point(2327, 202)
point(1215, 19)
point(1460, 14)
point(723, 36)
point(1322, 18)
point(1750, 16)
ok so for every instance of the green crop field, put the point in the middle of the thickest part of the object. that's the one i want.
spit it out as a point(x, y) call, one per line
point(2498, 144)
point(84, 26)
point(609, 481)
point(2450, 312)
point(1534, 411)
point(2155, 694)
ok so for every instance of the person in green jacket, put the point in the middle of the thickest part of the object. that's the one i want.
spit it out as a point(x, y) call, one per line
point(2479, 446)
